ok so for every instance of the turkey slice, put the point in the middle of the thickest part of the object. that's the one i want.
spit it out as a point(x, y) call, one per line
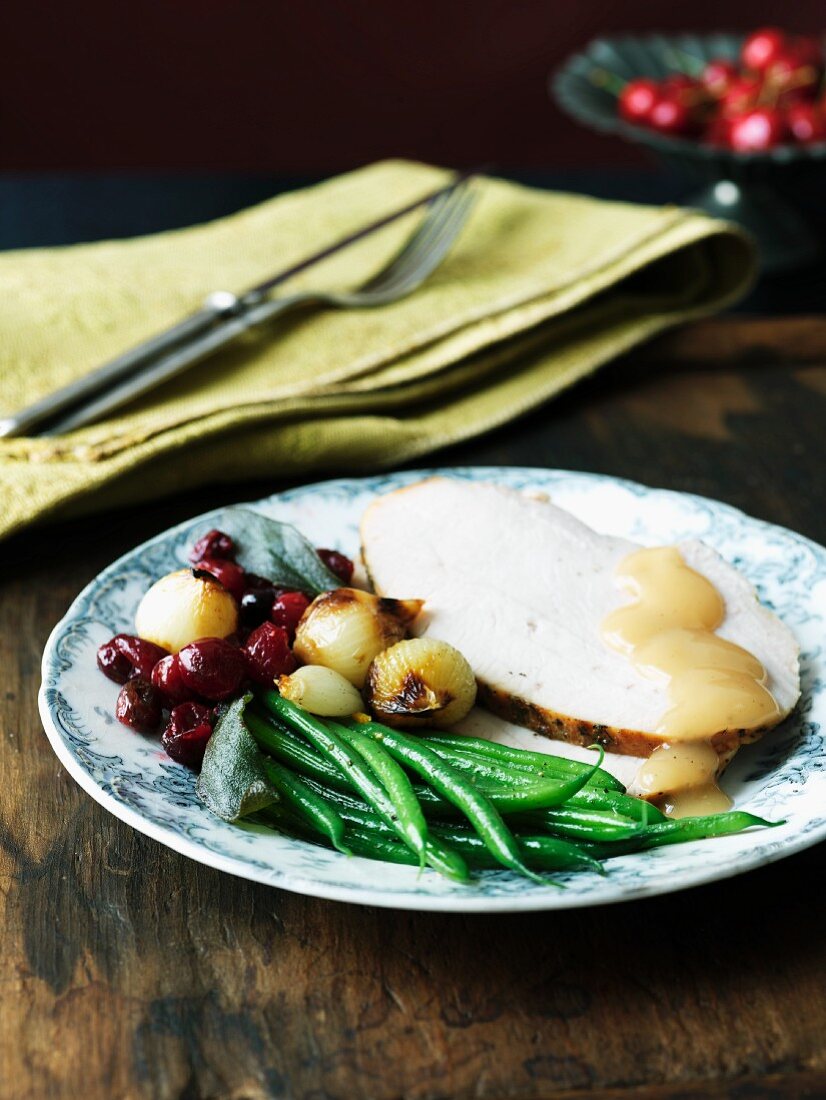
point(521, 588)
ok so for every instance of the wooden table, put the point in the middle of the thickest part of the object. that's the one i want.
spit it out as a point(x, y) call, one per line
point(128, 971)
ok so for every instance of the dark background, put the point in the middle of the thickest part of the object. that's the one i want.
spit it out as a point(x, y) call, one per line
point(308, 87)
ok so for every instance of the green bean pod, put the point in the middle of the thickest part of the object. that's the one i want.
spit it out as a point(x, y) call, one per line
point(453, 786)
point(579, 824)
point(305, 803)
point(436, 854)
point(524, 759)
point(541, 852)
point(681, 830)
point(393, 778)
point(286, 747)
point(490, 774)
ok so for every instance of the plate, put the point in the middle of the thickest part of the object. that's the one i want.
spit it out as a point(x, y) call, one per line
point(780, 778)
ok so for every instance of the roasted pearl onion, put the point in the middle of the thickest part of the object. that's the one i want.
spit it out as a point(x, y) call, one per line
point(346, 628)
point(420, 682)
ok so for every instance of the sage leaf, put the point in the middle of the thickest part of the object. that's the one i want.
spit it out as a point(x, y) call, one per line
point(277, 551)
point(233, 780)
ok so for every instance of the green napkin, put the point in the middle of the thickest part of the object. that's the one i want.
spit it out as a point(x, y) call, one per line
point(540, 290)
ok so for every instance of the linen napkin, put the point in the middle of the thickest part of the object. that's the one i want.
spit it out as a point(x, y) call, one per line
point(540, 289)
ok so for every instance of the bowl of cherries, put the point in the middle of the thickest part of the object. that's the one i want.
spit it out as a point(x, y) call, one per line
point(742, 116)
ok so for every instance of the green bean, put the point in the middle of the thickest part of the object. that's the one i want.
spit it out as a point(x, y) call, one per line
point(489, 773)
point(489, 776)
point(680, 831)
point(286, 747)
point(306, 804)
point(368, 844)
point(330, 745)
point(520, 758)
point(544, 853)
point(578, 824)
point(283, 744)
point(452, 785)
point(625, 804)
point(393, 778)
point(541, 852)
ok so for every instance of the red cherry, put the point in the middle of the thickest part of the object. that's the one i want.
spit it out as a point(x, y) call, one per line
point(806, 122)
point(337, 563)
point(762, 47)
point(636, 100)
point(187, 732)
point(212, 668)
point(268, 654)
point(167, 678)
point(718, 133)
point(757, 131)
point(719, 75)
point(226, 573)
point(214, 544)
point(808, 51)
point(741, 96)
point(288, 609)
point(671, 117)
point(678, 82)
point(789, 74)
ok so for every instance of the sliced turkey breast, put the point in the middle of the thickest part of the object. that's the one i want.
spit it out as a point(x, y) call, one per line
point(522, 587)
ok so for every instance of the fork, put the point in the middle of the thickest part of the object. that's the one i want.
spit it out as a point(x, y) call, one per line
point(421, 254)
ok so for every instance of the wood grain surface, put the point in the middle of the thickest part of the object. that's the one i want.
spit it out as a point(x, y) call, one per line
point(128, 971)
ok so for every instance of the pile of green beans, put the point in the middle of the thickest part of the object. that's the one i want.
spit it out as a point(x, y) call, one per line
point(453, 803)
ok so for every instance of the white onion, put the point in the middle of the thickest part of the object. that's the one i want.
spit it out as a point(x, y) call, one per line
point(180, 608)
point(346, 628)
point(321, 691)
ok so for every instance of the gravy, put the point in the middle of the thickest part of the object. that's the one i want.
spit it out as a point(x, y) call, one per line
point(668, 633)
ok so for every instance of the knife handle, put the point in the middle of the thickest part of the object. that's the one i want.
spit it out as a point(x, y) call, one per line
point(218, 306)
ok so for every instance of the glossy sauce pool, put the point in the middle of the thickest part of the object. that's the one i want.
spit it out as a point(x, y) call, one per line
point(668, 633)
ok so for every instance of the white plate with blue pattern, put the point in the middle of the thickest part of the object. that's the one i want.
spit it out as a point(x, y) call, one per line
point(780, 778)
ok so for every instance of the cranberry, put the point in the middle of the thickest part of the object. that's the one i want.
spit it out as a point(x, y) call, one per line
point(139, 705)
point(762, 47)
point(288, 609)
point(268, 654)
point(126, 655)
point(718, 76)
point(187, 732)
point(256, 605)
point(806, 122)
point(226, 573)
point(757, 131)
point(167, 678)
point(212, 667)
point(256, 582)
point(637, 99)
point(113, 663)
point(337, 563)
point(671, 117)
point(214, 544)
